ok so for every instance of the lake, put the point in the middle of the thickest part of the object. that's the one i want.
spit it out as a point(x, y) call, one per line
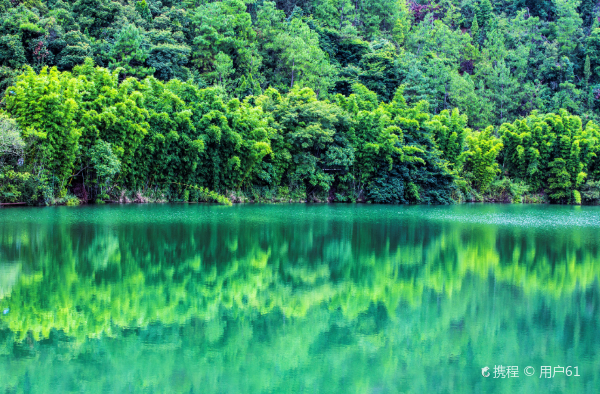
point(196, 298)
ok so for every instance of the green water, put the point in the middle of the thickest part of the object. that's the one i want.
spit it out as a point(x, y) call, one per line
point(298, 298)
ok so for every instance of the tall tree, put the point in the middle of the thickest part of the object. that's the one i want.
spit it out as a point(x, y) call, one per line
point(568, 25)
point(46, 106)
point(129, 52)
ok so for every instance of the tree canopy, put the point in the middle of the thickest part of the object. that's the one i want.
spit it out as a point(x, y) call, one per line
point(386, 101)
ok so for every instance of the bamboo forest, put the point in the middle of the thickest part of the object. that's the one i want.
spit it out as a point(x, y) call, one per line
point(401, 102)
point(299, 196)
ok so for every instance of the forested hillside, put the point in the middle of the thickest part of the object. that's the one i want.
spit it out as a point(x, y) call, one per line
point(318, 100)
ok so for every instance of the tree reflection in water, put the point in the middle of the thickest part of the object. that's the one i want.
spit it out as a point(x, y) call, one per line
point(178, 298)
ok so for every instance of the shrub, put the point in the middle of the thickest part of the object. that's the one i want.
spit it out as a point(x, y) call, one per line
point(507, 191)
point(206, 195)
point(12, 185)
point(590, 192)
point(576, 197)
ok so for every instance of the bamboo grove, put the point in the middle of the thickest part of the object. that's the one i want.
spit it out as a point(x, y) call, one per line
point(331, 100)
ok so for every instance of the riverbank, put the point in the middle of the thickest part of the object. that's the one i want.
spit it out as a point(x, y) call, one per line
point(539, 199)
point(503, 191)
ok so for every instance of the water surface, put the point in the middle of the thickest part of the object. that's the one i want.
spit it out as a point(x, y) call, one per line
point(298, 298)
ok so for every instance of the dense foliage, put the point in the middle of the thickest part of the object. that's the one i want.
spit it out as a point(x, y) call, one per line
point(384, 101)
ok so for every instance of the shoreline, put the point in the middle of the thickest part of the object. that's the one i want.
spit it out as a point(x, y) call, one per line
point(24, 204)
